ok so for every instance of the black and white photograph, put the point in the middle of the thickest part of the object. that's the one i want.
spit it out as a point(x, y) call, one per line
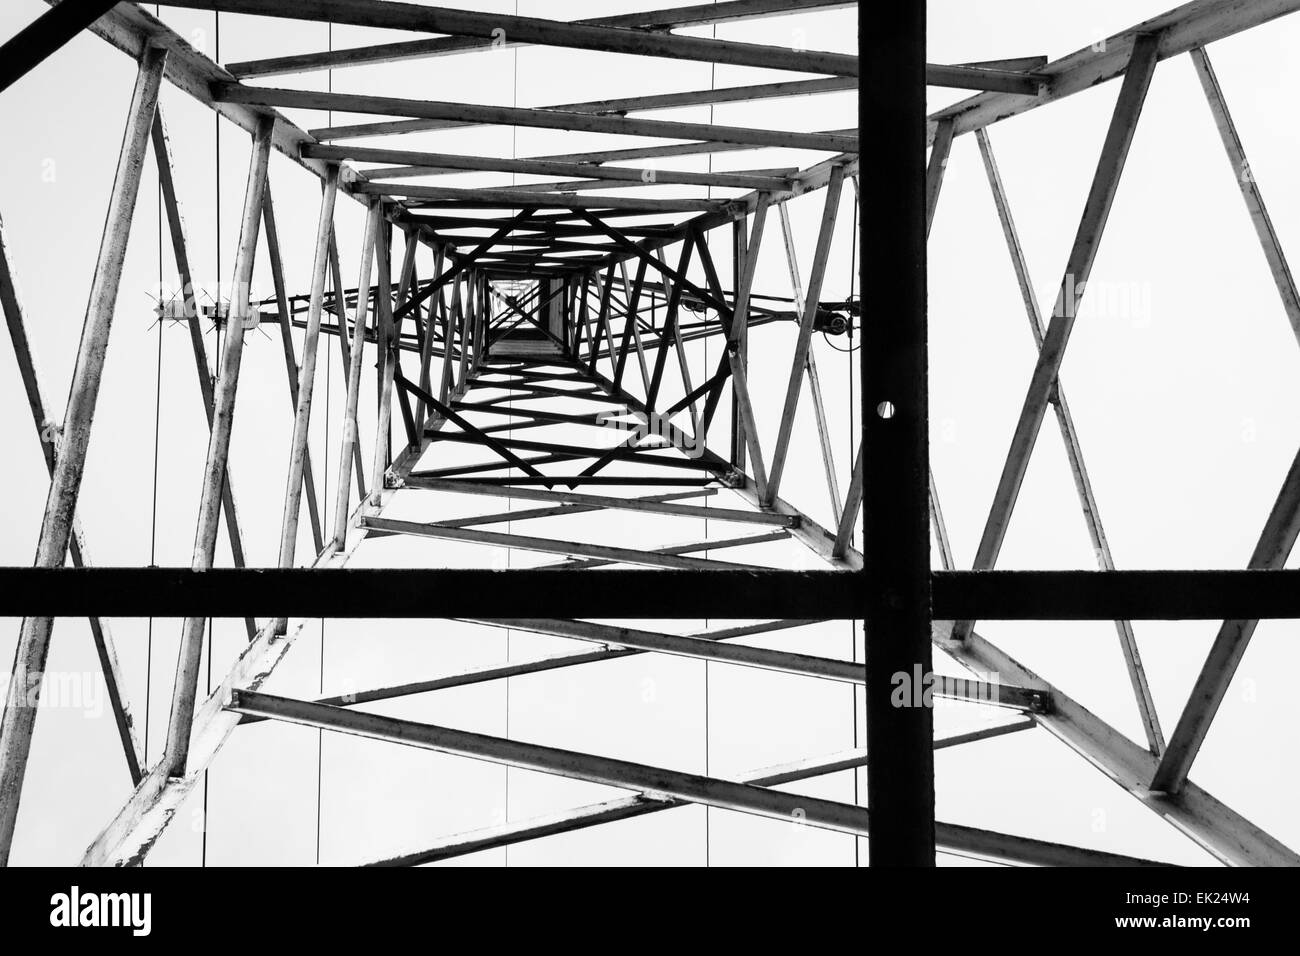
point(607, 434)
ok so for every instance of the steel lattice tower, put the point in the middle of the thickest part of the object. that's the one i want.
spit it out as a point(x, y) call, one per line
point(551, 350)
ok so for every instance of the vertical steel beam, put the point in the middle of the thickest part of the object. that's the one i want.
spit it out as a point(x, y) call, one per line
point(483, 315)
point(56, 525)
point(745, 271)
point(896, 532)
point(185, 689)
point(1283, 524)
point(350, 442)
point(577, 292)
point(803, 344)
point(466, 325)
point(740, 395)
point(47, 432)
point(602, 319)
point(852, 503)
point(669, 330)
point(631, 327)
point(736, 321)
point(631, 297)
point(407, 276)
point(426, 349)
point(584, 313)
point(307, 374)
point(739, 257)
point(1074, 451)
point(451, 322)
point(810, 364)
point(1250, 190)
point(290, 359)
point(941, 150)
point(1275, 543)
point(162, 150)
point(345, 353)
point(408, 281)
point(1042, 386)
point(386, 346)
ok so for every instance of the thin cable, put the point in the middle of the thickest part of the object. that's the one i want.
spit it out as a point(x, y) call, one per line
point(853, 643)
point(216, 124)
point(324, 496)
point(153, 517)
point(853, 625)
point(853, 275)
point(510, 502)
point(320, 733)
point(708, 194)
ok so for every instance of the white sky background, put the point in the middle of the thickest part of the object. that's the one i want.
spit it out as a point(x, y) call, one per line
point(1182, 395)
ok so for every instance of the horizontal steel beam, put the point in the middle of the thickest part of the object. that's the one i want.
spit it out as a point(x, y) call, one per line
point(1116, 595)
point(486, 675)
point(540, 225)
point(694, 547)
point(599, 157)
point(605, 501)
point(534, 167)
point(452, 592)
point(786, 662)
point(623, 808)
point(704, 14)
point(514, 198)
point(627, 104)
point(133, 31)
point(534, 30)
point(984, 78)
point(521, 116)
point(657, 782)
point(561, 509)
point(577, 549)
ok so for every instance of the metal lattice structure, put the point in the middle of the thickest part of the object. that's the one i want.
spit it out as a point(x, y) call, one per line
point(546, 366)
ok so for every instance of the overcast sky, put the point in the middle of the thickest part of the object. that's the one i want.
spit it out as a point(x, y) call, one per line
point(1181, 380)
